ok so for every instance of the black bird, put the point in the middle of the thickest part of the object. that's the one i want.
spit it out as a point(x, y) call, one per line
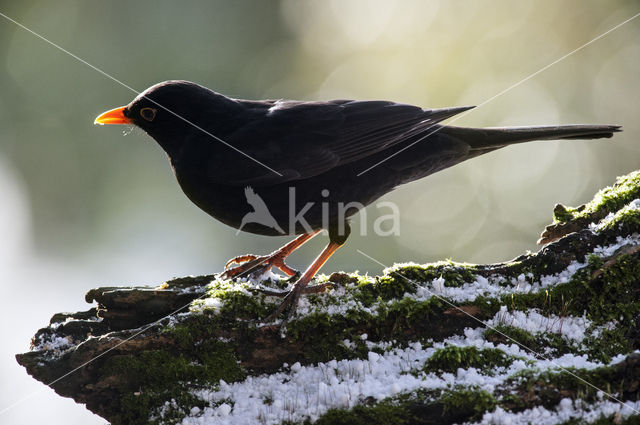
point(312, 164)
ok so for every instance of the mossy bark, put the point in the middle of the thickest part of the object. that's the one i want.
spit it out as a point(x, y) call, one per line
point(143, 346)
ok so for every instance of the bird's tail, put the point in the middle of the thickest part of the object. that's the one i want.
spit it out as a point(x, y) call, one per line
point(497, 137)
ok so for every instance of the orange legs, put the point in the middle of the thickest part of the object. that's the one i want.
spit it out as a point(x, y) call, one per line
point(291, 297)
point(260, 264)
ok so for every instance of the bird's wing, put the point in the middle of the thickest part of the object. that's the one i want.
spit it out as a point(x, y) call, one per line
point(304, 139)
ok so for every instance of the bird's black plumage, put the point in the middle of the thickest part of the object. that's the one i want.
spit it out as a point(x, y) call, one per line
point(313, 147)
point(294, 154)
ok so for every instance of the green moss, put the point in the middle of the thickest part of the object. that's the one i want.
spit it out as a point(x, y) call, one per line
point(625, 190)
point(488, 306)
point(545, 342)
point(234, 300)
point(421, 407)
point(625, 221)
point(562, 214)
point(408, 313)
point(383, 288)
point(404, 318)
point(454, 274)
point(450, 359)
point(609, 298)
point(613, 198)
point(608, 343)
point(158, 369)
point(594, 261)
point(155, 376)
point(468, 402)
point(384, 413)
point(324, 334)
point(549, 387)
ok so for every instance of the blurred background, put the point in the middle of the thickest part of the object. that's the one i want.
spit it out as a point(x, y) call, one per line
point(83, 206)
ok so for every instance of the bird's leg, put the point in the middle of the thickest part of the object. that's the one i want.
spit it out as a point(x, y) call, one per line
point(253, 263)
point(300, 287)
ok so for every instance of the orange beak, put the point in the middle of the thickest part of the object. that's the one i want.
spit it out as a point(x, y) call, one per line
point(114, 116)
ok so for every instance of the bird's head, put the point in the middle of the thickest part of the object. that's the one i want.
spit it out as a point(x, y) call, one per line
point(170, 112)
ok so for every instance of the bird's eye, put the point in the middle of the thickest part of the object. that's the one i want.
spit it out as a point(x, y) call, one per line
point(148, 114)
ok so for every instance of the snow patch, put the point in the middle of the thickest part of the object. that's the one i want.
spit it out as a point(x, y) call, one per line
point(307, 392)
point(631, 206)
point(570, 328)
point(564, 411)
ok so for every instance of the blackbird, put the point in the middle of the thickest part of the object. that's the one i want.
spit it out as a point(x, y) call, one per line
point(275, 167)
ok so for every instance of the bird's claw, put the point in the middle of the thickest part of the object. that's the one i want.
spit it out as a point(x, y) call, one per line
point(256, 265)
point(293, 278)
point(290, 301)
point(247, 264)
point(240, 259)
point(315, 289)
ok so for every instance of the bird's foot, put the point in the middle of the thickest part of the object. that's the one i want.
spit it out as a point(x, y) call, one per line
point(315, 289)
point(291, 298)
point(256, 265)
